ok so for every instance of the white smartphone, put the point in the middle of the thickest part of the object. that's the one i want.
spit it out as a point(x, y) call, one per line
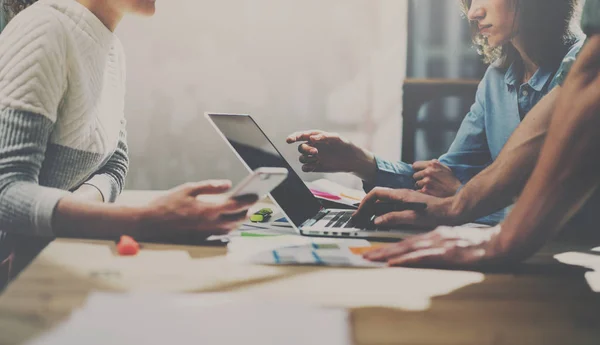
point(261, 182)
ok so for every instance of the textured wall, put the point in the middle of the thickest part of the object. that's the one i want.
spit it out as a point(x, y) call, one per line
point(293, 64)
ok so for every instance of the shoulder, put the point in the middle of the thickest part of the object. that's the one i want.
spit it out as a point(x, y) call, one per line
point(37, 25)
point(493, 80)
point(567, 63)
point(32, 65)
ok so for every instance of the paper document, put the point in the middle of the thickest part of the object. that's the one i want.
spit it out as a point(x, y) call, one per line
point(296, 250)
point(314, 254)
point(191, 319)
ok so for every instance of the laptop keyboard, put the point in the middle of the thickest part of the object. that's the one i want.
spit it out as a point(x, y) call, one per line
point(342, 219)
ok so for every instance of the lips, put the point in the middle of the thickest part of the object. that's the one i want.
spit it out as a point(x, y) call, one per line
point(484, 28)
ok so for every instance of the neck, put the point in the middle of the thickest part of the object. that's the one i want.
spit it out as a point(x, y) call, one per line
point(530, 67)
point(101, 9)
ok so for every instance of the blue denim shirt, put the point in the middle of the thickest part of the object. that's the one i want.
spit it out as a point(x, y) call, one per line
point(500, 105)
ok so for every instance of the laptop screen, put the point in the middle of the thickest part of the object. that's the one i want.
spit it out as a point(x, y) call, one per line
point(255, 148)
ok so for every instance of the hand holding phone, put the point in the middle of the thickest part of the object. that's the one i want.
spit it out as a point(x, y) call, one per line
point(261, 182)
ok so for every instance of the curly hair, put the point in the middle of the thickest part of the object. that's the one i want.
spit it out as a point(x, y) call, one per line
point(544, 25)
point(13, 7)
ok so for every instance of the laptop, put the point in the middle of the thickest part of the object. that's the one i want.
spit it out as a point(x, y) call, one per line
point(305, 212)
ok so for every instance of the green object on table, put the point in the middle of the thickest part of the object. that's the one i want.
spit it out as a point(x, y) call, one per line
point(261, 216)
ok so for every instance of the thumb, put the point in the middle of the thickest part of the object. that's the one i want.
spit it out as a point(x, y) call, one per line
point(207, 187)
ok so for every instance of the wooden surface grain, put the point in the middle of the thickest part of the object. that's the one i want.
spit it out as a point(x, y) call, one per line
point(538, 302)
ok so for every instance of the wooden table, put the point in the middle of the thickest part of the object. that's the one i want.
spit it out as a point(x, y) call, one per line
point(539, 302)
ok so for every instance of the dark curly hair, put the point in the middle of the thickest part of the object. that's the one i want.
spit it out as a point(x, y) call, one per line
point(13, 7)
point(545, 26)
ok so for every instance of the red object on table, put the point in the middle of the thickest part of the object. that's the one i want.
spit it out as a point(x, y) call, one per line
point(128, 246)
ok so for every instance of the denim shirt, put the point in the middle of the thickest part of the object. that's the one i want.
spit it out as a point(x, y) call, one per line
point(501, 104)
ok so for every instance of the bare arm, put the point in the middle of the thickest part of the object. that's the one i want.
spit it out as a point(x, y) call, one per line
point(178, 212)
point(567, 172)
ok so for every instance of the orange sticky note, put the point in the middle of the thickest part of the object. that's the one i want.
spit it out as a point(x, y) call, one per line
point(363, 250)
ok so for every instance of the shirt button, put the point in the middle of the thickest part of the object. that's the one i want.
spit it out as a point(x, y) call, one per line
point(525, 93)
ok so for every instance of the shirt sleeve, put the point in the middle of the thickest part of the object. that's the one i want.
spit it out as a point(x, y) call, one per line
point(469, 154)
point(391, 175)
point(110, 179)
point(32, 82)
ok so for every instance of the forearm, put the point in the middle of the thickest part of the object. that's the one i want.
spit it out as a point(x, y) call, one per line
point(567, 172)
point(497, 186)
point(75, 218)
point(366, 166)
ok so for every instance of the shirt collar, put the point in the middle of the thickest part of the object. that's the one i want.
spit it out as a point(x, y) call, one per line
point(537, 82)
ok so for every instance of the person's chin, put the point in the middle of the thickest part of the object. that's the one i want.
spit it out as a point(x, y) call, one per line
point(494, 43)
point(147, 12)
point(148, 8)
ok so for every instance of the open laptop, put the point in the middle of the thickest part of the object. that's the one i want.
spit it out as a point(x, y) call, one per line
point(304, 211)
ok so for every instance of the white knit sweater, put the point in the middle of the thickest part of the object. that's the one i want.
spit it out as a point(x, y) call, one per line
point(62, 88)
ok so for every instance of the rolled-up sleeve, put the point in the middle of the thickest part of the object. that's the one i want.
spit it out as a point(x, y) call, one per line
point(110, 179)
point(391, 175)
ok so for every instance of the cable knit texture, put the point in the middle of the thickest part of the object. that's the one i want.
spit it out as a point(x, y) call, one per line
point(62, 89)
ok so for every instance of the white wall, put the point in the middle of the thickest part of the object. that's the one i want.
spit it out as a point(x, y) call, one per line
point(293, 64)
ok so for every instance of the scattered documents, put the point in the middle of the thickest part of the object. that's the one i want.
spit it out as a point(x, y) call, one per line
point(191, 319)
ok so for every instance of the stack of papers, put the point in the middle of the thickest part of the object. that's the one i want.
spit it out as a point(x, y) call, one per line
point(158, 319)
point(297, 250)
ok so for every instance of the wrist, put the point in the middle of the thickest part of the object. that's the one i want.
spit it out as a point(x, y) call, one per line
point(139, 219)
point(365, 165)
point(456, 209)
point(457, 187)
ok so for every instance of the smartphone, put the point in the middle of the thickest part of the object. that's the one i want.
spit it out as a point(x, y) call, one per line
point(261, 182)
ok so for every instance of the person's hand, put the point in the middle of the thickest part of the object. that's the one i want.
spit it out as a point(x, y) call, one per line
point(445, 247)
point(438, 212)
point(434, 178)
point(181, 212)
point(329, 152)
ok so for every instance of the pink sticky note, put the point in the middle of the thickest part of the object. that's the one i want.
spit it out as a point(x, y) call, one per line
point(325, 195)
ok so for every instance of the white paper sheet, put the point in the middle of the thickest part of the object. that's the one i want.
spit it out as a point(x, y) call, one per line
point(187, 319)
